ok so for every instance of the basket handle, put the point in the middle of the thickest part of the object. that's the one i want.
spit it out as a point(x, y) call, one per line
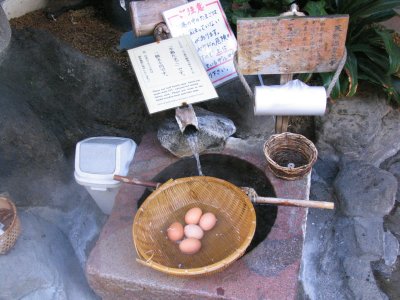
point(136, 181)
point(254, 198)
point(293, 202)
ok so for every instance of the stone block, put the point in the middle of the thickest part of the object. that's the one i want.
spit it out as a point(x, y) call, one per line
point(364, 190)
point(42, 265)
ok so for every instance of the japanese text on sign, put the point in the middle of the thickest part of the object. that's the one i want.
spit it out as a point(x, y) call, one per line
point(208, 28)
point(170, 73)
point(291, 45)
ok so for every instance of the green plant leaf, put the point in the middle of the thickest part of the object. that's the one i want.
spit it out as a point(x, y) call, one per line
point(396, 90)
point(373, 72)
point(267, 12)
point(305, 77)
point(349, 7)
point(315, 8)
point(392, 49)
point(351, 69)
point(375, 54)
point(326, 80)
point(237, 14)
point(375, 75)
point(375, 7)
point(357, 26)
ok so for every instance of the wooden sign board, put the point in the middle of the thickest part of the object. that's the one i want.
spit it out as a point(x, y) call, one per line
point(170, 74)
point(145, 15)
point(289, 45)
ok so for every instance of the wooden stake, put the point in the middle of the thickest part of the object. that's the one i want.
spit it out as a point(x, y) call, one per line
point(282, 122)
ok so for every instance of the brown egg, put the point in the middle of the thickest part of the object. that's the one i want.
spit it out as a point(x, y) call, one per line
point(175, 231)
point(193, 215)
point(190, 246)
point(207, 221)
point(193, 231)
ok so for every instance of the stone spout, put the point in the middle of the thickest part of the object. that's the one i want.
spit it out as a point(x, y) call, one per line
point(211, 129)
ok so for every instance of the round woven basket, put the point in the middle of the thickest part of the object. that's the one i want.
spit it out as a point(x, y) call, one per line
point(290, 156)
point(221, 246)
point(11, 233)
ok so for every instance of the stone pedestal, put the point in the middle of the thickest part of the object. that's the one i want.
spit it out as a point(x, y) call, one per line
point(269, 271)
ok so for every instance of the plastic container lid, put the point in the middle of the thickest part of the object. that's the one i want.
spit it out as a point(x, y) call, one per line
point(98, 159)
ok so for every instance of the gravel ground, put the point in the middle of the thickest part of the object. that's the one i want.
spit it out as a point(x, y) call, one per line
point(85, 29)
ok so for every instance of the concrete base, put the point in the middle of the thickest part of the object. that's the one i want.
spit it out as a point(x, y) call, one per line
point(270, 271)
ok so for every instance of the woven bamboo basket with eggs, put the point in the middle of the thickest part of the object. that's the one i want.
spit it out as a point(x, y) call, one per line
point(221, 246)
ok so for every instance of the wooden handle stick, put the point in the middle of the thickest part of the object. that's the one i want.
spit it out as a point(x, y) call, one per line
point(292, 202)
point(136, 181)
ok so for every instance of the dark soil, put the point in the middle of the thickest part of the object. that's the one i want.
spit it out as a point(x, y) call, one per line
point(85, 29)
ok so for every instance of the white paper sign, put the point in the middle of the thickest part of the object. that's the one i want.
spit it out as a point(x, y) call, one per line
point(170, 73)
point(206, 23)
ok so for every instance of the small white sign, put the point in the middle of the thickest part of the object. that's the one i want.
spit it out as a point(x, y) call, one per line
point(170, 74)
point(206, 23)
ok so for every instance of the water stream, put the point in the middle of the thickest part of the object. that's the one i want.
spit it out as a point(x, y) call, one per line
point(193, 142)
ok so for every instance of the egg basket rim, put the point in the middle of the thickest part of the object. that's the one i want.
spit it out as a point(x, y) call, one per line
point(209, 269)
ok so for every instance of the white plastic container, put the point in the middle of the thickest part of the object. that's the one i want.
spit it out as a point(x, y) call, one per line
point(97, 160)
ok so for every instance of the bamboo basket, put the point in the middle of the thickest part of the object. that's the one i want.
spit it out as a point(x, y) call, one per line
point(11, 233)
point(287, 148)
point(221, 246)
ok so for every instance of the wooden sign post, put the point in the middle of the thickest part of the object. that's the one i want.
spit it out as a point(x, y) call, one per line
point(288, 45)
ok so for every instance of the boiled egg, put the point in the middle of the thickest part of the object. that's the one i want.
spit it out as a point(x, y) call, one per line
point(207, 221)
point(175, 231)
point(193, 231)
point(190, 246)
point(193, 215)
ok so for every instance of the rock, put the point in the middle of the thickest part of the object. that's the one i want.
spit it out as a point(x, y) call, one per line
point(370, 237)
point(391, 249)
point(392, 165)
point(361, 280)
point(388, 279)
point(327, 168)
point(395, 170)
point(320, 261)
point(364, 190)
point(42, 265)
point(81, 224)
point(344, 237)
point(392, 221)
point(341, 246)
point(73, 95)
point(213, 130)
point(52, 96)
point(364, 127)
point(5, 33)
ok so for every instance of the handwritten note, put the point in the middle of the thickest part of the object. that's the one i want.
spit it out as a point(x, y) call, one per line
point(291, 45)
point(206, 23)
point(170, 73)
